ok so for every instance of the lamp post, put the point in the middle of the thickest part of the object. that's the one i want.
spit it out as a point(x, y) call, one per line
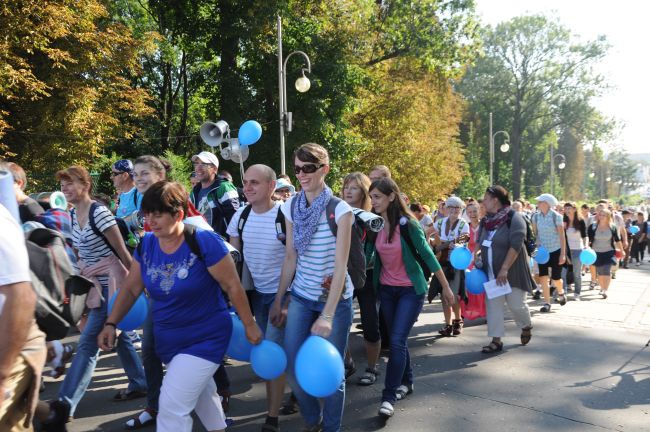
point(561, 166)
point(302, 85)
point(504, 148)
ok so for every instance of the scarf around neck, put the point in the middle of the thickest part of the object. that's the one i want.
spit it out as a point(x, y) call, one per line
point(493, 222)
point(305, 218)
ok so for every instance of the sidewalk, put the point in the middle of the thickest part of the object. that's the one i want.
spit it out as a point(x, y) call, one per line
point(585, 369)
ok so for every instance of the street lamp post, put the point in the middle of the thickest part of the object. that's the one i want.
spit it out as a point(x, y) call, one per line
point(504, 148)
point(561, 165)
point(302, 85)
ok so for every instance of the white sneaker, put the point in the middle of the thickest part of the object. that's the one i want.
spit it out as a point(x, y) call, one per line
point(576, 297)
point(386, 409)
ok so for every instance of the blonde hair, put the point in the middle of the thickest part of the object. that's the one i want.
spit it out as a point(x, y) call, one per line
point(608, 214)
point(363, 182)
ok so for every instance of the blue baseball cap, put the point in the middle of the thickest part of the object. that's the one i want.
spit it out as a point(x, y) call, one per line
point(124, 165)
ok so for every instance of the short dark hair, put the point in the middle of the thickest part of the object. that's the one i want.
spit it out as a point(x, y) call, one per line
point(313, 153)
point(165, 197)
point(500, 193)
point(416, 207)
point(585, 206)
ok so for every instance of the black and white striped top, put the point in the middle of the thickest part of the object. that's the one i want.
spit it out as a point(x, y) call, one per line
point(92, 248)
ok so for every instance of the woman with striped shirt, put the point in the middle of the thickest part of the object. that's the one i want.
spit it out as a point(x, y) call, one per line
point(104, 258)
point(321, 290)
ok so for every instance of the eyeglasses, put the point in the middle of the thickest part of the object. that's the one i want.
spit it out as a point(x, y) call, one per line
point(307, 169)
point(202, 165)
point(453, 207)
point(115, 174)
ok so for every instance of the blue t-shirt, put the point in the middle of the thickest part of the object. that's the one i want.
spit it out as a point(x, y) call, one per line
point(189, 312)
point(129, 202)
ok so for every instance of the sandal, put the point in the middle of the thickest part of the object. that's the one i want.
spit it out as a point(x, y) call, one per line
point(492, 347)
point(457, 327)
point(124, 395)
point(138, 424)
point(369, 377)
point(290, 407)
point(526, 335)
point(350, 369)
point(446, 331)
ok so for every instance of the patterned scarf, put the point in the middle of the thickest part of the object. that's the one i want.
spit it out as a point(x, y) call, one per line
point(493, 222)
point(305, 218)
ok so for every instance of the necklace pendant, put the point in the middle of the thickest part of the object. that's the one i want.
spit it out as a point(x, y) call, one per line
point(182, 273)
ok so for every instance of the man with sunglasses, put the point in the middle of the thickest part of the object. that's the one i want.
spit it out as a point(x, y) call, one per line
point(214, 196)
point(129, 199)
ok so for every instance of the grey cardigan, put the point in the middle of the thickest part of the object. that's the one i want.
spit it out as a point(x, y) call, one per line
point(505, 238)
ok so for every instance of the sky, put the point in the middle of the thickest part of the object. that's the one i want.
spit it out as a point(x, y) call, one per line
point(625, 24)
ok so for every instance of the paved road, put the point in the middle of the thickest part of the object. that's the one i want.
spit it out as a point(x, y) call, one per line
point(586, 369)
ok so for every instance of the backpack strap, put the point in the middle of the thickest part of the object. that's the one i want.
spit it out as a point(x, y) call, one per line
point(330, 214)
point(93, 226)
point(189, 232)
point(242, 221)
point(281, 227)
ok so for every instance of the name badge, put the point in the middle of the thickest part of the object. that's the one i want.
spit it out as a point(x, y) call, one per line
point(487, 243)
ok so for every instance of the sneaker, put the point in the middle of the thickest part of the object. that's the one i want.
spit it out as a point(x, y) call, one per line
point(386, 409)
point(402, 391)
point(576, 297)
point(603, 293)
point(561, 299)
point(545, 308)
point(638, 264)
point(537, 294)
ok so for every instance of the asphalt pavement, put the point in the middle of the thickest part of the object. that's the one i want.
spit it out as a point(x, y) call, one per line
point(587, 368)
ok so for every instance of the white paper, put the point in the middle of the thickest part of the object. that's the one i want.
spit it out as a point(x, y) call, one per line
point(492, 290)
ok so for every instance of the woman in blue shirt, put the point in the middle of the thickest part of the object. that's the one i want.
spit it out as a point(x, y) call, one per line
point(192, 326)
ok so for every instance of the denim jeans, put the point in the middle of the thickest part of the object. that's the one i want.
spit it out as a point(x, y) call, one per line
point(401, 307)
point(153, 367)
point(83, 364)
point(577, 271)
point(302, 315)
point(262, 303)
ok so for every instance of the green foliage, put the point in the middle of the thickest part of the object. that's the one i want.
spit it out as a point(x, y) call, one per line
point(181, 168)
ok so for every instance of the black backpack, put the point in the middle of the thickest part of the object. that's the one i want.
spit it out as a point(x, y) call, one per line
point(189, 232)
point(280, 226)
point(61, 294)
point(530, 242)
point(357, 256)
point(125, 232)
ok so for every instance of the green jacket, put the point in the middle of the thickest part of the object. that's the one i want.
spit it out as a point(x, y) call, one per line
point(413, 269)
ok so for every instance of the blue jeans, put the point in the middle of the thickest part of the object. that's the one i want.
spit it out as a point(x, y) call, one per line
point(302, 315)
point(83, 364)
point(261, 306)
point(153, 367)
point(577, 271)
point(401, 307)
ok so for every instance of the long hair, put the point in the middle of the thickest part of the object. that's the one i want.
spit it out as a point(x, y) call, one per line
point(577, 217)
point(397, 208)
point(363, 182)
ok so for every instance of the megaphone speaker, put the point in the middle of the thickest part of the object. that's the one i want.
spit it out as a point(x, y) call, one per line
point(213, 134)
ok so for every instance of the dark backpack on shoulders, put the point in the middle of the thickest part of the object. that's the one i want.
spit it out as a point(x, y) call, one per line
point(357, 256)
point(189, 232)
point(61, 294)
point(530, 242)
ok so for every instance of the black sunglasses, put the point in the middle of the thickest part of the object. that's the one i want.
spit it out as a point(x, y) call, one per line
point(307, 169)
point(115, 174)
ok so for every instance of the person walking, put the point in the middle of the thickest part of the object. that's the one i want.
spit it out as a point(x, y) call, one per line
point(401, 284)
point(475, 306)
point(448, 232)
point(315, 266)
point(103, 258)
point(192, 324)
point(356, 192)
point(549, 232)
point(503, 257)
point(575, 229)
point(639, 239)
point(605, 241)
point(253, 231)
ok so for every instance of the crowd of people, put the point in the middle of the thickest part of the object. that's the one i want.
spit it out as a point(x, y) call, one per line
point(297, 278)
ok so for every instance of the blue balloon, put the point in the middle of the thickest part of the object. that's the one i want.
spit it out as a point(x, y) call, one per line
point(542, 256)
point(460, 258)
point(319, 367)
point(249, 133)
point(588, 256)
point(474, 281)
point(238, 348)
point(136, 315)
point(634, 229)
point(268, 360)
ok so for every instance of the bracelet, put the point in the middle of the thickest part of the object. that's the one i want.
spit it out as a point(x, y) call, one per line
point(327, 318)
point(108, 323)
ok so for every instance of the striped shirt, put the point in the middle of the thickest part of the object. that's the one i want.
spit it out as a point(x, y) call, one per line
point(92, 248)
point(263, 252)
point(317, 263)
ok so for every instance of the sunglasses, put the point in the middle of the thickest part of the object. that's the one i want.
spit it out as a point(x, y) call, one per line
point(307, 169)
point(115, 174)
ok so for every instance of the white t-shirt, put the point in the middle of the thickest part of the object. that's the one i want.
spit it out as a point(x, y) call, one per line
point(263, 252)
point(318, 260)
point(426, 222)
point(462, 227)
point(13, 253)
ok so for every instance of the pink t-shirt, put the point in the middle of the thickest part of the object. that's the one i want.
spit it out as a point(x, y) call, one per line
point(393, 271)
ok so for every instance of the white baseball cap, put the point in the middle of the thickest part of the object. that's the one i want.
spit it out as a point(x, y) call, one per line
point(550, 199)
point(206, 157)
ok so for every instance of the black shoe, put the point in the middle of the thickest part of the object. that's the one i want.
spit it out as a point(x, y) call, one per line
point(561, 299)
point(537, 295)
point(59, 415)
point(545, 308)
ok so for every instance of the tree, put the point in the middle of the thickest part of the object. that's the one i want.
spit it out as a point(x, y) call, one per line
point(66, 83)
point(536, 78)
